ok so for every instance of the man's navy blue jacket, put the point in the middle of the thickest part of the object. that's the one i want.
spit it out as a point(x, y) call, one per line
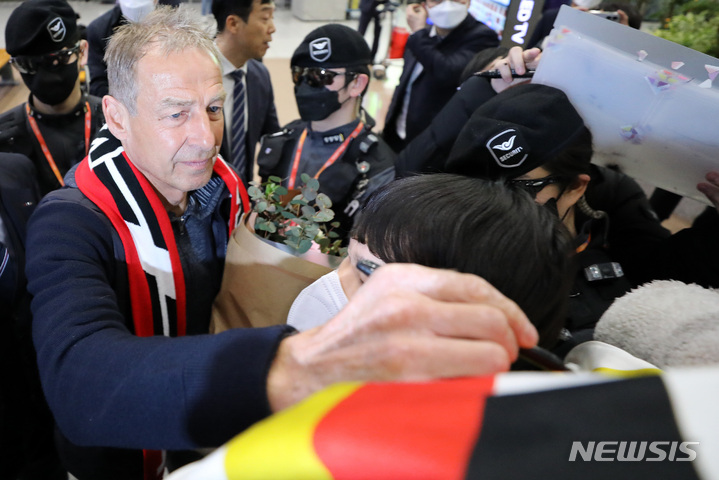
point(113, 393)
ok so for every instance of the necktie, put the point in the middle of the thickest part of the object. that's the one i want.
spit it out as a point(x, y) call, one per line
point(237, 127)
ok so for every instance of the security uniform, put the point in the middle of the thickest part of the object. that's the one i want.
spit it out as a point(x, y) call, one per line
point(66, 136)
point(350, 162)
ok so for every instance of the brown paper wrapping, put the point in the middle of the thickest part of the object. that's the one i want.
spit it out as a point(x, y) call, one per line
point(261, 281)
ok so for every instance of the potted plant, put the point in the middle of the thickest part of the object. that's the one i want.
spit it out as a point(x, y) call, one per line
point(283, 245)
point(298, 219)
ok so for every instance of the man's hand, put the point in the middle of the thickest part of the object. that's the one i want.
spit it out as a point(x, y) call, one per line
point(407, 323)
point(416, 15)
point(518, 60)
point(711, 188)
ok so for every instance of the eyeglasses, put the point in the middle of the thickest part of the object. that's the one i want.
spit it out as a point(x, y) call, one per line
point(534, 185)
point(51, 61)
point(316, 76)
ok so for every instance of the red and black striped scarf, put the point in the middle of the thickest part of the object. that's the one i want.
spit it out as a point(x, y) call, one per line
point(156, 279)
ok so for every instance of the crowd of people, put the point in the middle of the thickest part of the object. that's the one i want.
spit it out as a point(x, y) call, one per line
point(490, 229)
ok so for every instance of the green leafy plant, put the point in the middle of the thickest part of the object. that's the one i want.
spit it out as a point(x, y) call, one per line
point(696, 30)
point(297, 222)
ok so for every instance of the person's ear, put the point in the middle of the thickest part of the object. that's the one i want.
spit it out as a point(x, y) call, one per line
point(82, 59)
point(116, 117)
point(358, 85)
point(233, 23)
point(576, 189)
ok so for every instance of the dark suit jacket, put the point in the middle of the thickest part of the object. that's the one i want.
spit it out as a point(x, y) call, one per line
point(98, 34)
point(543, 28)
point(443, 61)
point(261, 113)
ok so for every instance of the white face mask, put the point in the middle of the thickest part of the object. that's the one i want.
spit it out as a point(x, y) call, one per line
point(588, 4)
point(317, 303)
point(448, 14)
point(136, 10)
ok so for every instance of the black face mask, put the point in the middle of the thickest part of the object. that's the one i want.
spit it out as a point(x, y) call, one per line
point(316, 103)
point(52, 86)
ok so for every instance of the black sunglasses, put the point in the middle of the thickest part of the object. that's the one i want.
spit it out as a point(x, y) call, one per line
point(316, 76)
point(30, 64)
point(535, 185)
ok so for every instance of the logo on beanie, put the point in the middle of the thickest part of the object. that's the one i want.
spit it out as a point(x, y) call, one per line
point(508, 148)
point(57, 30)
point(320, 49)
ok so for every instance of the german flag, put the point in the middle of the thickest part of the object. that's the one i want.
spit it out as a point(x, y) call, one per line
point(508, 426)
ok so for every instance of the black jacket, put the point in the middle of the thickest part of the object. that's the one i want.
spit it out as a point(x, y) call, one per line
point(342, 181)
point(64, 134)
point(632, 237)
point(98, 34)
point(428, 152)
point(646, 250)
point(26, 425)
point(443, 61)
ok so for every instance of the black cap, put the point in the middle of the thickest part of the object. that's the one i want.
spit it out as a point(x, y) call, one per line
point(38, 27)
point(332, 46)
point(515, 132)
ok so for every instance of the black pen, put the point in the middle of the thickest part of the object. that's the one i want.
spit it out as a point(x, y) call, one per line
point(367, 267)
point(497, 74)
point(537, 356)
point(542, 359)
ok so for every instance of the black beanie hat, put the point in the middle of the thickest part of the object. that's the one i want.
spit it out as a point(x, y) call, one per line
point(38, 27)
point(515, 132)
point(333, 46)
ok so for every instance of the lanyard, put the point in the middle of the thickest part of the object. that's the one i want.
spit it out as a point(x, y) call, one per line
point(43, 144)
point(584, 245)
point(340, 150)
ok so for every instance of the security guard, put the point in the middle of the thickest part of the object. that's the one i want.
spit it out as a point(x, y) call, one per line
point(55, 126)
point(333, 141)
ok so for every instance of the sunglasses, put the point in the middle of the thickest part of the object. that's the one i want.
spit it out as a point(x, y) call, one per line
point(316, 76)
point(535, 185)
point(51, 61)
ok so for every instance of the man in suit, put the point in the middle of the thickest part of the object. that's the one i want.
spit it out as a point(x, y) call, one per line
point(27, 449)
point(244, 32)
point(433, 62)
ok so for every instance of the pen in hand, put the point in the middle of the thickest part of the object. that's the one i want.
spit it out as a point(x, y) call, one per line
point(367, 267)
point(497, 74)
point(537, 356)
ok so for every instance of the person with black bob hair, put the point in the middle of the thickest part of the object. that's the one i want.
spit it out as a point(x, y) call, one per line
point(465, 224)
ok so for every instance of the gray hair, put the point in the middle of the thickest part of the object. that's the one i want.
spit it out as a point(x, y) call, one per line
point(169, 29)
